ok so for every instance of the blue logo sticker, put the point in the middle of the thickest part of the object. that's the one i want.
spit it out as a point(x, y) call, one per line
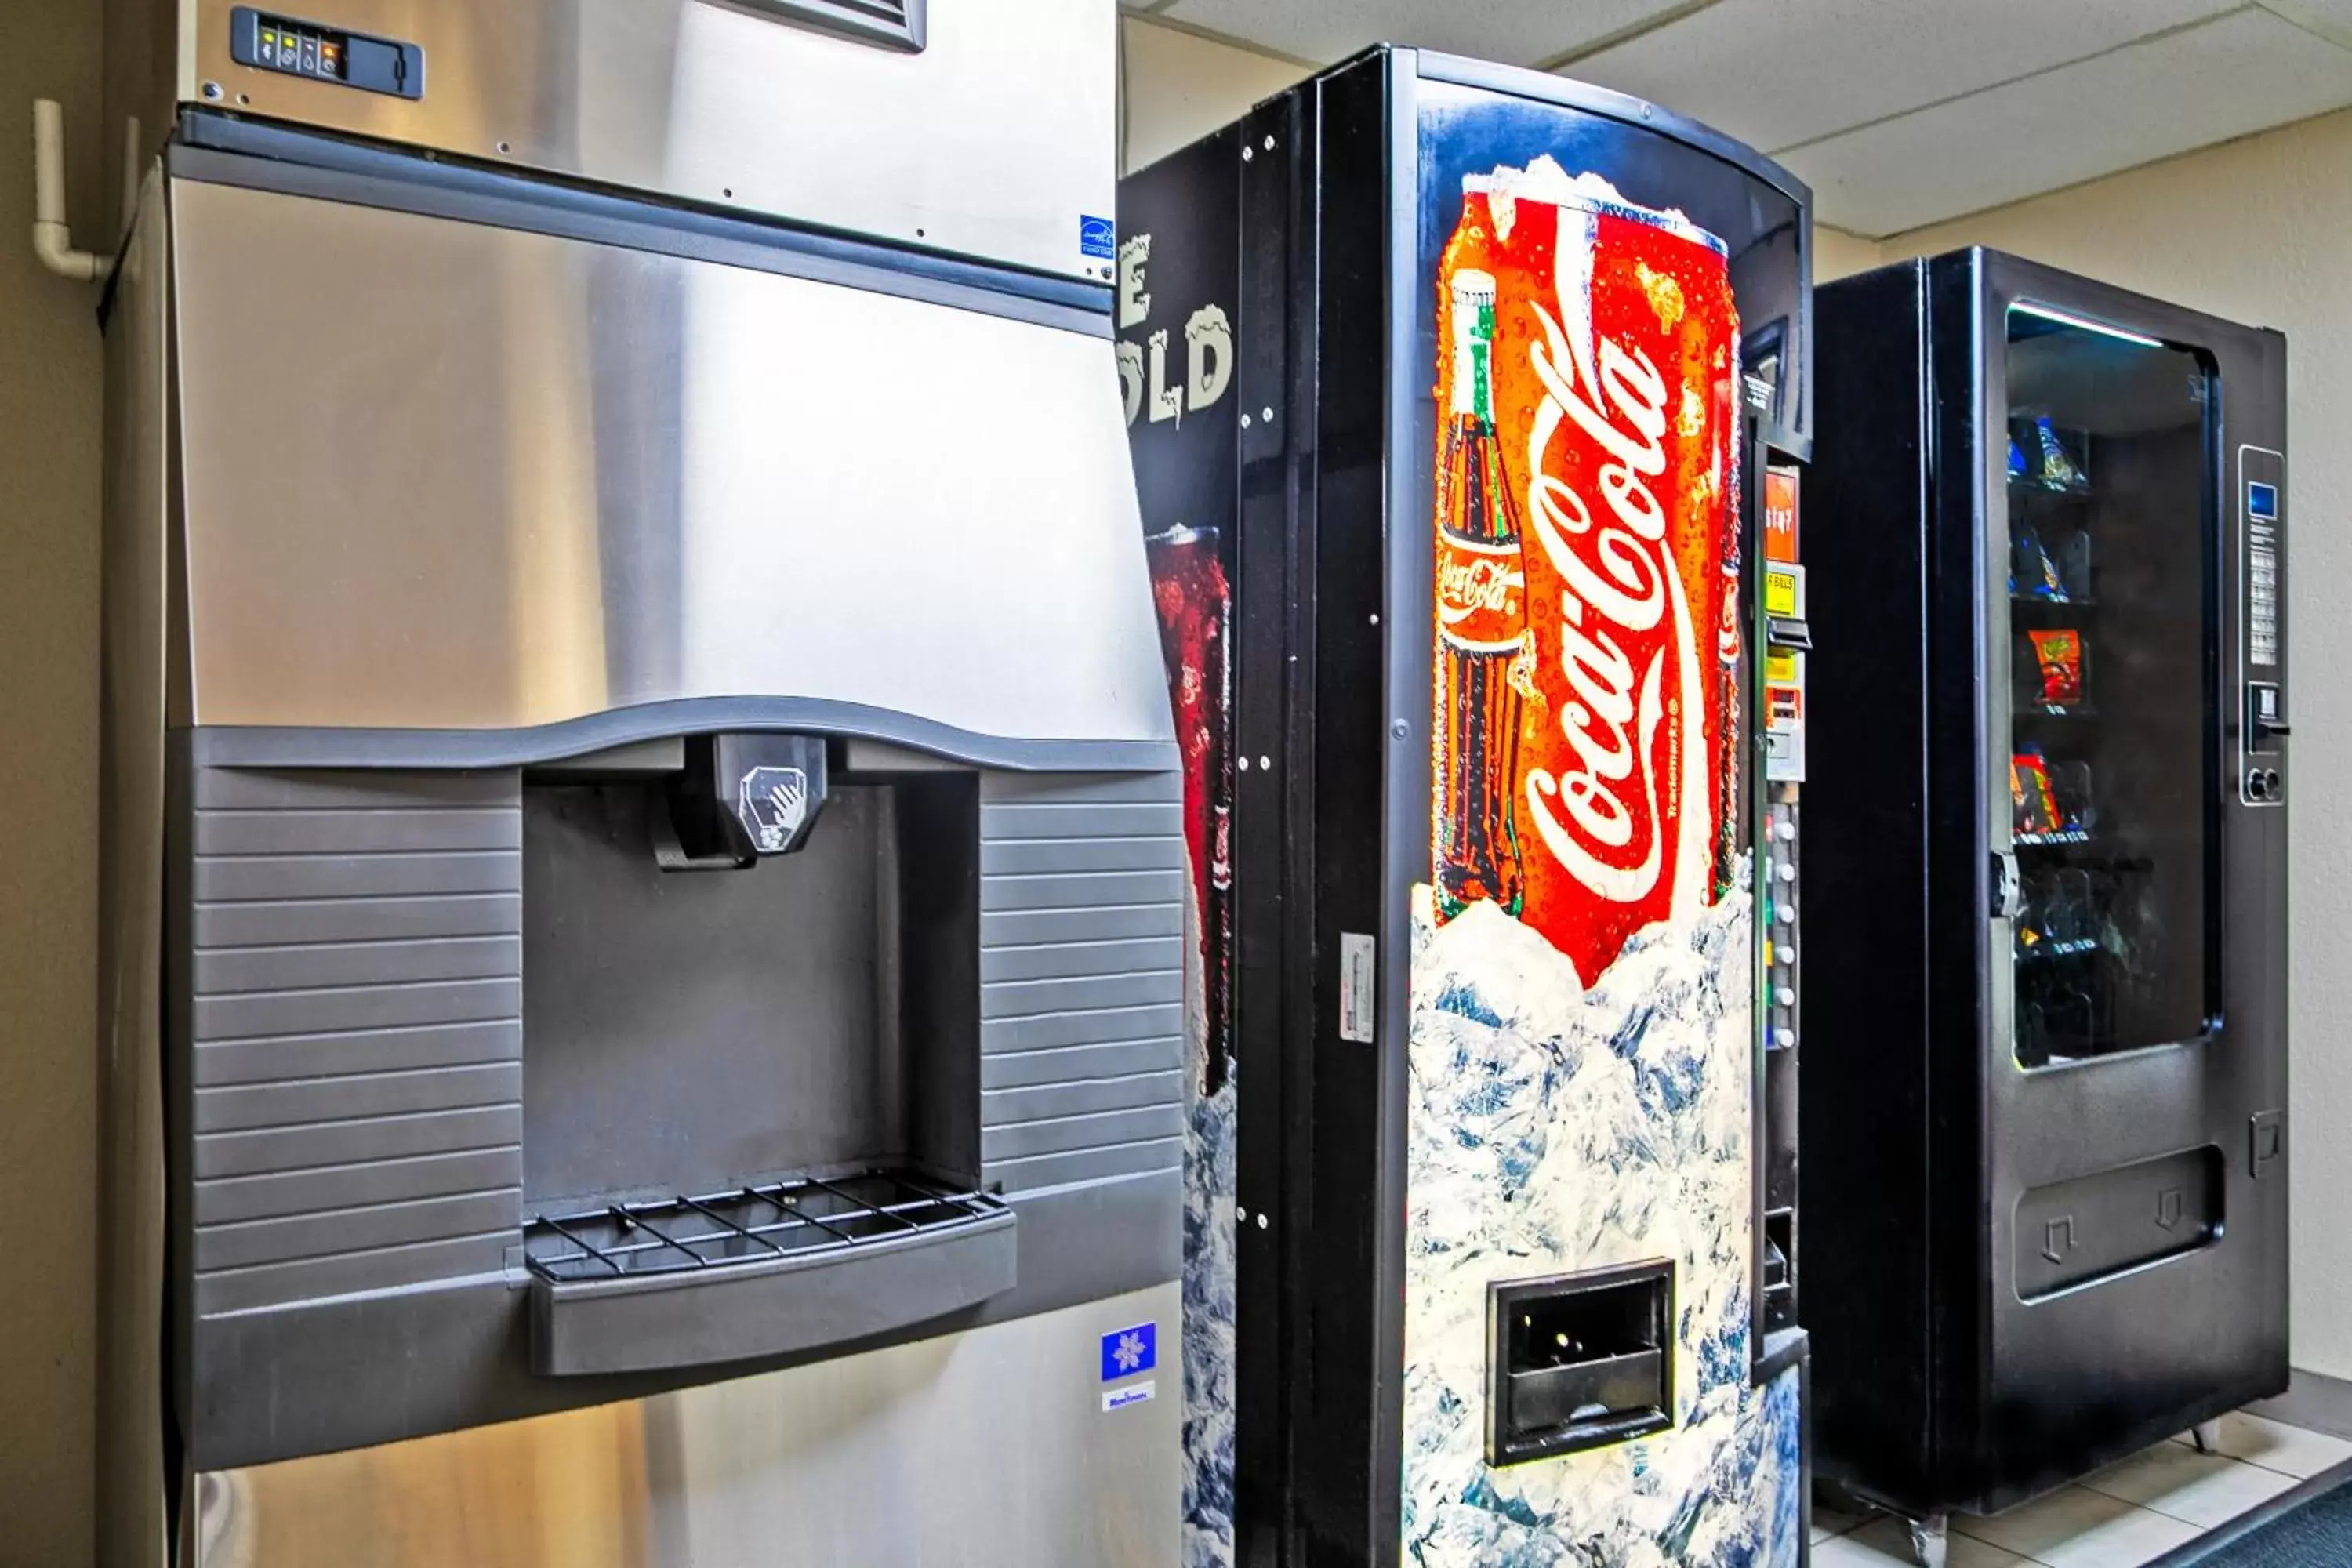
point(1129, 1351)
point(1098, 239)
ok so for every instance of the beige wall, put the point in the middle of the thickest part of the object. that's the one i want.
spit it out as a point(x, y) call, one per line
point(1837, 253)
point(1176, 87)
point(48, 804)
point(2260, 231)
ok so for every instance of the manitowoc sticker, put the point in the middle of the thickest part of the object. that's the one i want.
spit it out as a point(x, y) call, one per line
point(1133, 1393)
point(1126, 1352)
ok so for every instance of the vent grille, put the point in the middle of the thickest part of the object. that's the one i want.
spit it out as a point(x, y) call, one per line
point(354, 1006)
point(1082, 978)
point(891, 24)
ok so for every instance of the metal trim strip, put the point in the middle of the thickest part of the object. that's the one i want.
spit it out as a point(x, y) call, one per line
point(262, 746)
point(213, 148)
point(1407, 659)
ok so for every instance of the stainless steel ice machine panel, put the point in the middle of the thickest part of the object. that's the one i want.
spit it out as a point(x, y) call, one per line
point(477, 541)
point(482, 475)
point(994, 138)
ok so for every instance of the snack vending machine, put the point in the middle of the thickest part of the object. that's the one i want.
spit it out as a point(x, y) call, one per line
point(1457, 394)
point(2045, 1175)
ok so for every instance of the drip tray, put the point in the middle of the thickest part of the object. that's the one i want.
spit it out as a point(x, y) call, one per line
point(759, 1271)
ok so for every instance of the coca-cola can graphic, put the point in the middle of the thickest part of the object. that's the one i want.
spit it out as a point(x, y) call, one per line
point(1192, 593)
point(1612, 355)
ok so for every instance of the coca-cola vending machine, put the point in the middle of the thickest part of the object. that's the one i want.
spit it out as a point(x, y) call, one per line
point(2048, 1196)
point(1459, 397)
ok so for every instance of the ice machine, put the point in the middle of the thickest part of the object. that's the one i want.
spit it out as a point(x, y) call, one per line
point(1469, 407)
point(2045, 1167)
point(642, 825)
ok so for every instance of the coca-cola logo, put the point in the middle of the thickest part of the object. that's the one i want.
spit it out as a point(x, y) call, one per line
point(1621, 616)
point(1479, 590)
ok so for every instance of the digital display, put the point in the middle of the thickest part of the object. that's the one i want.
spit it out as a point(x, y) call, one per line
point(2262, 500)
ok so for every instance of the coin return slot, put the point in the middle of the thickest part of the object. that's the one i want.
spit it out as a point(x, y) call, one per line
point(1578, 1360)
point(1778, 1229)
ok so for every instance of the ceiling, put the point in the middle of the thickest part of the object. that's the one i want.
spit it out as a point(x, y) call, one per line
point(1898, 113)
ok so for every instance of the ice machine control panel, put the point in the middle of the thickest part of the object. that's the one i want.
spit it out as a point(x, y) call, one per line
point(2262, 676)
point(301, 48)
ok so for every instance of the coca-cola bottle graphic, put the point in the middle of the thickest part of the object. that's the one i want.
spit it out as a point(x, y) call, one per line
point(1614, 342)
point(1482, 638)
point(1194, 600)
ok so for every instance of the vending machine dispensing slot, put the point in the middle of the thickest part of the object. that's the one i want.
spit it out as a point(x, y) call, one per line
point(1579, 1360)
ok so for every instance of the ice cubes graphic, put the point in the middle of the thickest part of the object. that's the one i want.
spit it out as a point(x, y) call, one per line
point(1554, 1128)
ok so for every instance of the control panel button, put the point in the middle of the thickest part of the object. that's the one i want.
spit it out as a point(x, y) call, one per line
point(350, 59)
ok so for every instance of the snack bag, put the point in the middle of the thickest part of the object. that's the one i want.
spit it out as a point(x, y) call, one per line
point(2060, 655)
point(2033, 805)
point(2032, 571)
point(2058, 468)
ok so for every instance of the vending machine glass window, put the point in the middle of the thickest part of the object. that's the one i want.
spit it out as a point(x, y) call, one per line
point(2110, 798)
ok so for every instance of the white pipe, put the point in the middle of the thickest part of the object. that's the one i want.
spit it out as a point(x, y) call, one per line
point(52, 240)
point(131, 172)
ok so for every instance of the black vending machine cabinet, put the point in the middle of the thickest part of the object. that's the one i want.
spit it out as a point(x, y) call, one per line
point(1456, 396)
point(2044, 1157)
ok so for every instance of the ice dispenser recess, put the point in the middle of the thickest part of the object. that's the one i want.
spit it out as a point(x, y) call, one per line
point(1578, 1360)
point(750, 1098)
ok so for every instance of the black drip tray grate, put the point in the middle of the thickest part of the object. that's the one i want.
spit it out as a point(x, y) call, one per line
point(749, 1225)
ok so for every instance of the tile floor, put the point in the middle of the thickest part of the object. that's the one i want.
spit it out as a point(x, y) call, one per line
point(2129, 1513)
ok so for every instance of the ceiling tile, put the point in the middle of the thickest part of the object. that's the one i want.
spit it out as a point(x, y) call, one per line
point(1776, 72)
point(1514, 32)
point(2329, 18)
point(2241, 73)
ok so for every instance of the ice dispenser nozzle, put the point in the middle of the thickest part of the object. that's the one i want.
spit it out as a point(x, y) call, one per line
point(739, 798)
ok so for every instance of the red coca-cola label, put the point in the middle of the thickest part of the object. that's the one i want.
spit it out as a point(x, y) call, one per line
point(1195, 601)
point(1481, 594)
point(1615, 351)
